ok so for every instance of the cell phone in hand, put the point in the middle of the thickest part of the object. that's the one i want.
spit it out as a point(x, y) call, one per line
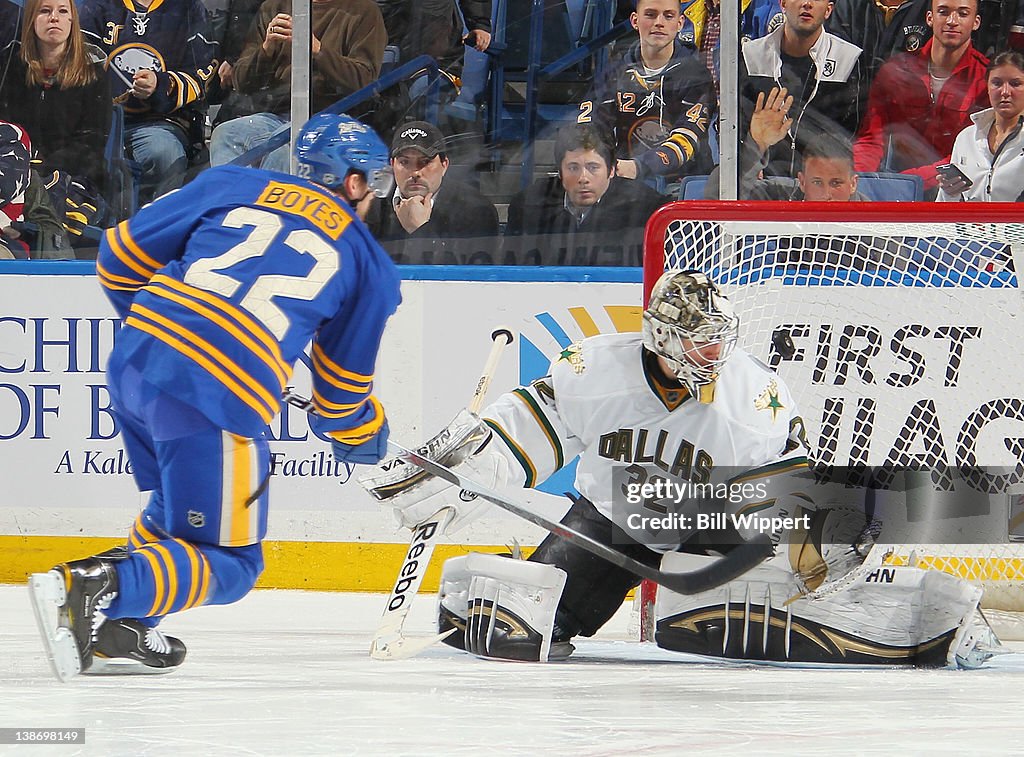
point(952, 173)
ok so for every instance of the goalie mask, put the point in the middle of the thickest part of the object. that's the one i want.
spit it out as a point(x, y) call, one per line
point(691, 324)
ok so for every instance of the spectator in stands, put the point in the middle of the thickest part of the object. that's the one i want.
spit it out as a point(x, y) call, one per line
point(44, 231)
point(990, 152)
point(428, 218)
point(702, 24)
point(827, 174)
point(881, 28)
point(920, 101)
point(348, 47)
point(435, 28)
point(585, 215)
point(658, 103)
point(821, 71)
point(29, 226)
point(159, 59)
point(57, 90)
point(15, 152)
point(229, 24)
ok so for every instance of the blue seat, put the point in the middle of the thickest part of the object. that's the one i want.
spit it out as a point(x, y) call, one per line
point(392, 57)
point(122, 195)
point(692, 188)
point(891, 187)
point(879, 187)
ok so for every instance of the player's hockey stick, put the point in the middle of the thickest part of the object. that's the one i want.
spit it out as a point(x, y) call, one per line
point(388, 642)
point(732, 565)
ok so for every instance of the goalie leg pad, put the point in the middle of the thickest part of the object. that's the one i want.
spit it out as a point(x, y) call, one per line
point(838, 540)
point(453, 600)
point(889, 615)
point(512, 607)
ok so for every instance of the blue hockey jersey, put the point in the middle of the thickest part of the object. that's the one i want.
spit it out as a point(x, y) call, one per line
point(169, 37)
point(223, 283)
point(659, 120)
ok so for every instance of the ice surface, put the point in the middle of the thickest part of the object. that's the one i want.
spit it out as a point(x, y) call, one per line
point(287, 673)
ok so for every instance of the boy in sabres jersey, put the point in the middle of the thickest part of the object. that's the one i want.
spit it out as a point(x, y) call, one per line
point(221, 285)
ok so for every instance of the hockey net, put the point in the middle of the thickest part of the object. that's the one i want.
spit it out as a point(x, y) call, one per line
point(904, 347)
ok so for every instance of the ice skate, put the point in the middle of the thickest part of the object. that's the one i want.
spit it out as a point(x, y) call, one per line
point(68, 602)
point(125, 646)
point(976, 643)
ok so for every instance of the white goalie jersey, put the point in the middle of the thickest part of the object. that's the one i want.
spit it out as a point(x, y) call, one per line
point(605, 401)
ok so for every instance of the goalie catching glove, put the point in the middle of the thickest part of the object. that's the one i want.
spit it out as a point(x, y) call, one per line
point(465, 445)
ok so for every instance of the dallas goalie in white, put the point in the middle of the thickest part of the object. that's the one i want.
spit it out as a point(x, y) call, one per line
point(678, 402)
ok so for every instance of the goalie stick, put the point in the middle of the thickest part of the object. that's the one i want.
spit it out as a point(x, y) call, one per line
point(732, 565)
point(389, 643)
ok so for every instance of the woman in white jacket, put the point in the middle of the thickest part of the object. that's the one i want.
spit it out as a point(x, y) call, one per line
point(990, 152)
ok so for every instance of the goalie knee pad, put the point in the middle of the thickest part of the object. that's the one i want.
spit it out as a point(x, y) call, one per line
point(835, 543)
point(505, 606)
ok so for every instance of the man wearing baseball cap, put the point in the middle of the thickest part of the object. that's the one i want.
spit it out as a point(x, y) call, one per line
point(428, 218)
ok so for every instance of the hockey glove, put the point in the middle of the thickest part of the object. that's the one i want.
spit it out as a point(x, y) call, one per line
point(370, 452)
point(466, 445)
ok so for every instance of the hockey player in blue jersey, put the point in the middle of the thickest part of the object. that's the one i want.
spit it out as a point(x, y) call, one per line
point(221, 285)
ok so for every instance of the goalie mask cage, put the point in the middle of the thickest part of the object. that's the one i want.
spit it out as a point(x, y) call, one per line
point(897, 328)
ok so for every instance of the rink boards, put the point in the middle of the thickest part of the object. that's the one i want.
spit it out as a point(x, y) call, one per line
point(66, 479)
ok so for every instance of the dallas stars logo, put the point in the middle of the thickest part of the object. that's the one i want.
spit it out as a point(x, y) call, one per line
point(574, 354)
point(769, 400)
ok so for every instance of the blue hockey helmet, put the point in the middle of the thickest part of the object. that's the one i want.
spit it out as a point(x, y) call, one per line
point(331, 145)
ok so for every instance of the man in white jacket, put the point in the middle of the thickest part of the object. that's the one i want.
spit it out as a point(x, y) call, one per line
point(821, 72)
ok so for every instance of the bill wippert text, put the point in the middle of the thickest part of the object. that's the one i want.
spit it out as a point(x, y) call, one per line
point(743, 522)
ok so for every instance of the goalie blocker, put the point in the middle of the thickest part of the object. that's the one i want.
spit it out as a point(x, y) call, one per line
point(414, 495)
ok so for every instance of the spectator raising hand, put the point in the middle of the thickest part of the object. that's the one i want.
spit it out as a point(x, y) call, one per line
point(771, 122)
point(159, 60)
point(348, 48)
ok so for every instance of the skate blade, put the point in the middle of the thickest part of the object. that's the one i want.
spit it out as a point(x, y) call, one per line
point(48, 596)
point(402, 648)
point(122, 666)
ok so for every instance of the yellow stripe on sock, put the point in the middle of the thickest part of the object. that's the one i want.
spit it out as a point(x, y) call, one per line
point(172, 577)
point(158, 579)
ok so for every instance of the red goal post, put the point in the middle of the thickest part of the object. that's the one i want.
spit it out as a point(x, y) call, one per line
point(907, 322)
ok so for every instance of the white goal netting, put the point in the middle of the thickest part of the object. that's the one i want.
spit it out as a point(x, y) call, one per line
point(899, 332)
